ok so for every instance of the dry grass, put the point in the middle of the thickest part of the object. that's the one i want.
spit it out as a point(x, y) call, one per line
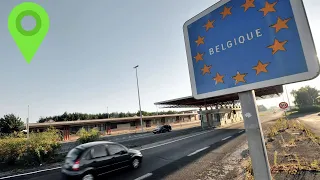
point(292, 149)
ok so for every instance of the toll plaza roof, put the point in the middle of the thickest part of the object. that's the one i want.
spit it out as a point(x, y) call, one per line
point(189, 101)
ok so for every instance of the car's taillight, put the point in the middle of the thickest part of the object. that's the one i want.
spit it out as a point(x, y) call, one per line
point(76, 165)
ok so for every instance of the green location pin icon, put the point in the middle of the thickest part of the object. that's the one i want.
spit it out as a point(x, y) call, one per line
point(28, 41)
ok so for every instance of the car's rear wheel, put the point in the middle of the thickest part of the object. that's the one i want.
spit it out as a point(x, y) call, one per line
point(135, 164)
point(88, 176)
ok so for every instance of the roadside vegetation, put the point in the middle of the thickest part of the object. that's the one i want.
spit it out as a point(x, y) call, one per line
point(86, 136)
point(10, 123)
point(307, 100)
point(16, 149)
point(41, 148)
point(293, 152)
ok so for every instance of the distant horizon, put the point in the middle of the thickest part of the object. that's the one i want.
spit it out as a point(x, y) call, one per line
point(259, 102)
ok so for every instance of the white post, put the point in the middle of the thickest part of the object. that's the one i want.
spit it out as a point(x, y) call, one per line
point(28, 123)
point(136, 67)
point(108, 111)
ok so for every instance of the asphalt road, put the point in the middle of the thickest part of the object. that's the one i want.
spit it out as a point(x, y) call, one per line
point(162, 157)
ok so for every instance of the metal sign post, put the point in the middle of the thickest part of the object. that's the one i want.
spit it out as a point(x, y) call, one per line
point(257, 149)
point(284, 106)
point(237, 46)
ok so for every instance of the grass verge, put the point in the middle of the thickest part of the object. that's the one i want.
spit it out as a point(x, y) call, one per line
point(293, 152)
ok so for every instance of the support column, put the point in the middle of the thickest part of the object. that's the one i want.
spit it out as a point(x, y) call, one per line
point(68, 133)
point(64, 134)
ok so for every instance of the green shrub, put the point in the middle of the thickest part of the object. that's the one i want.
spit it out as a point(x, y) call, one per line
point(42, 146)
point(39, 148)
point(11, 149)
point(309, 109)
point(88, 136)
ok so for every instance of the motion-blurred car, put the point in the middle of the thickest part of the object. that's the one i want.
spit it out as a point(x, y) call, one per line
point(90, 160)
point(162, 129)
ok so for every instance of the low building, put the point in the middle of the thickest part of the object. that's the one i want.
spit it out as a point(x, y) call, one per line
point(220, 117)
point(114, 124)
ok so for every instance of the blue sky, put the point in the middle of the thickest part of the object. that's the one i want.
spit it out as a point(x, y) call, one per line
point(86, 61)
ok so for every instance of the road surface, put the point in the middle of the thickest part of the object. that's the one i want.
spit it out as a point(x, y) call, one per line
point(165, 156)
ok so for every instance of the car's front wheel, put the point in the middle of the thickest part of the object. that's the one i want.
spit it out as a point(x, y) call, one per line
point(135, 164)
point(88, 176)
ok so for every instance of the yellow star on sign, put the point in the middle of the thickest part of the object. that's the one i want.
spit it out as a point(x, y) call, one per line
point(277, 46)
point(218, 78)
point(248, 4)
point(268, 8)
point(239, 77)
point(226, 11)
point(209, 25)
point(200, 40)
point(281, 24)
point(261, 67)
point(199, 57)
point(206, 69)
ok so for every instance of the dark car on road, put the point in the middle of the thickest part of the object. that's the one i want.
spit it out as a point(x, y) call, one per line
point(90, 160)
point(162, 129)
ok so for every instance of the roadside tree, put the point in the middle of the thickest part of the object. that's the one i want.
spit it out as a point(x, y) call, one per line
point(305, 96)
point(11, 123)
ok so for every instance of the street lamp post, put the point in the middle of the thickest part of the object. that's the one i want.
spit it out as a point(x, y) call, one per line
point(136, 67)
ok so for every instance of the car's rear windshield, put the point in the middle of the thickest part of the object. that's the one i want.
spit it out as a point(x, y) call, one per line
point(74, 153)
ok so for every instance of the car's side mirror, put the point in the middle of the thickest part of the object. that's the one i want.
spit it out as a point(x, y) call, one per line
point(123, 152)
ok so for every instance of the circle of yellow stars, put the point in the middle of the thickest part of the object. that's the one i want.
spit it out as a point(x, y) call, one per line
point(261, 67)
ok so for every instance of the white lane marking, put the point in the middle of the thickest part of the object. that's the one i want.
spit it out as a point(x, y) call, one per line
point(34, 172)
point(241, 131)
point(174, 141)
point(226, 138)
point(197, 151)
point(144, 176)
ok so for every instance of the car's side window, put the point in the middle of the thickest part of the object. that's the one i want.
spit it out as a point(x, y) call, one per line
point(87, 155)
point(98, 151)
point(115, 149)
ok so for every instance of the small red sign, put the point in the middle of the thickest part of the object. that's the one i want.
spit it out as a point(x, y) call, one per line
point(283, 105)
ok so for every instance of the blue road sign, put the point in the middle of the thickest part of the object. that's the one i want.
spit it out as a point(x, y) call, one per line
point(240, 45)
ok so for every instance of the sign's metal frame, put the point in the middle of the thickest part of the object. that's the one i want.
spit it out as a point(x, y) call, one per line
point(307, 45)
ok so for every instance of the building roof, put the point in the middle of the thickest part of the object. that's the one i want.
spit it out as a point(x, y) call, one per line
point(190, 101)
point(97, 121)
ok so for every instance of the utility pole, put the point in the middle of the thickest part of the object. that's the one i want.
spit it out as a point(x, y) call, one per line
point(285, 87)
point(108, 111)
point(136, 67)
point(28, 123)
